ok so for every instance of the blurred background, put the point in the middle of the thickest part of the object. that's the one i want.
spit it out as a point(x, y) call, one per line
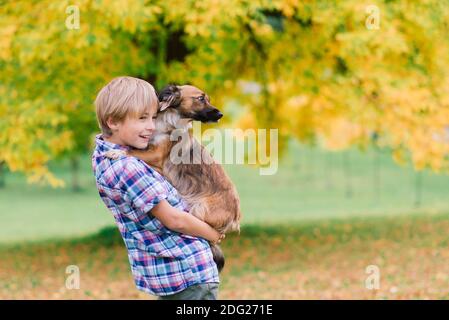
point(359, 92)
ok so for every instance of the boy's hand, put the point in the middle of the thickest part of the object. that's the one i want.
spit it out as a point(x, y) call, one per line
point(114, 154)
point(221, 236)
point(186, 223)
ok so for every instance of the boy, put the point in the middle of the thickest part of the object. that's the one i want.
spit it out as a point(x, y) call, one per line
point(167, 250)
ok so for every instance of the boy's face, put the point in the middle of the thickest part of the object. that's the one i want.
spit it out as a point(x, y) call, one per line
point(134, 131)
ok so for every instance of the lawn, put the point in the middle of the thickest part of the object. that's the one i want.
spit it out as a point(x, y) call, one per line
point(309, 184)
point(305, 260)
point(308, 232)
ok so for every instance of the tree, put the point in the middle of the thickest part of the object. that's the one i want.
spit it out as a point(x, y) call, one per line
point(316, 71)
point(51, 72)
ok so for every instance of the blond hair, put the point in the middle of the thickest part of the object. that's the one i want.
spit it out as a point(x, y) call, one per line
point(123, 97)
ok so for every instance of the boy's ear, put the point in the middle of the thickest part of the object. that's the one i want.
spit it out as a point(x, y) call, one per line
point(170, 96)
point(112, 124)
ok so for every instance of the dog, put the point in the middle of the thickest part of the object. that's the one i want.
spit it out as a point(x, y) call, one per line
point(203, 183)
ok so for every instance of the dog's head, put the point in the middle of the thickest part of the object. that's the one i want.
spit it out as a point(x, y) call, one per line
point(190, 102)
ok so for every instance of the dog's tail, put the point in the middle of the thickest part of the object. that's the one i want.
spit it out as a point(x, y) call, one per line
point(218, 256)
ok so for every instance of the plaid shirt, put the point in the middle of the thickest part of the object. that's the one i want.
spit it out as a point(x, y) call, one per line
point(163, 261)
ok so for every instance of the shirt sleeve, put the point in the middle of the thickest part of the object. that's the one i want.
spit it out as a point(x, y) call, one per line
point(141, 188)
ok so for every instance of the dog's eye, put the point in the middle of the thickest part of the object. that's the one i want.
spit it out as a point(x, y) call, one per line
point(201, 98)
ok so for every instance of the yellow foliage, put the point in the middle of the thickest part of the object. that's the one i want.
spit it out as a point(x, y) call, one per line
point(312, 68)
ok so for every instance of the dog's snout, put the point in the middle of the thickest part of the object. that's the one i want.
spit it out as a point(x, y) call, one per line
point(214, 114)
point(219, 114)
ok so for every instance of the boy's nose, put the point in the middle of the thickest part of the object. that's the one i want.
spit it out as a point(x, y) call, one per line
point(150, 125)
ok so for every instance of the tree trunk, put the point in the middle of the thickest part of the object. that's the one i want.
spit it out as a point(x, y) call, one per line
point(74, 164)
point(328, 170)
point(418, 189)
point(347, 172)
point(377, 175)
point(2, 174)
point(310, 167)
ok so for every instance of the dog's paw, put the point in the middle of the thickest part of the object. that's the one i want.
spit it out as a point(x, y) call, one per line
point(114, 154)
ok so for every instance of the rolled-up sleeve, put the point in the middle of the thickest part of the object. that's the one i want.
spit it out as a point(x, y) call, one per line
point(141, 189)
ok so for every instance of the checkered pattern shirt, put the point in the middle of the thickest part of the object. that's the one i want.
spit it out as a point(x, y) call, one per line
point(163, 261)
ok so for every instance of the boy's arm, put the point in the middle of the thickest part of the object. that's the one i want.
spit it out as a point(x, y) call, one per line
point(182, 222)
point(148, 197)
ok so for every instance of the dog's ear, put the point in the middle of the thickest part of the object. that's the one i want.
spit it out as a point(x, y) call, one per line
point(170, 96)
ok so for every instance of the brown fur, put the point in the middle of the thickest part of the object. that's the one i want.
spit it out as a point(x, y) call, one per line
point(206, 187)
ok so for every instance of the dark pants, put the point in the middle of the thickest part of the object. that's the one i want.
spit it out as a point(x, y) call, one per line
point(203, 291)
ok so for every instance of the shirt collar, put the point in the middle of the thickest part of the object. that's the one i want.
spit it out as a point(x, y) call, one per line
point(104, 146)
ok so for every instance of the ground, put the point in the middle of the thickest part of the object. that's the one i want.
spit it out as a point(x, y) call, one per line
point(313, 260)
point(308, 232)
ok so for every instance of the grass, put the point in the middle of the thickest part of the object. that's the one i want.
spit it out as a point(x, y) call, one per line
point(309, 232)
point(324, 259)
point(309, 184)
